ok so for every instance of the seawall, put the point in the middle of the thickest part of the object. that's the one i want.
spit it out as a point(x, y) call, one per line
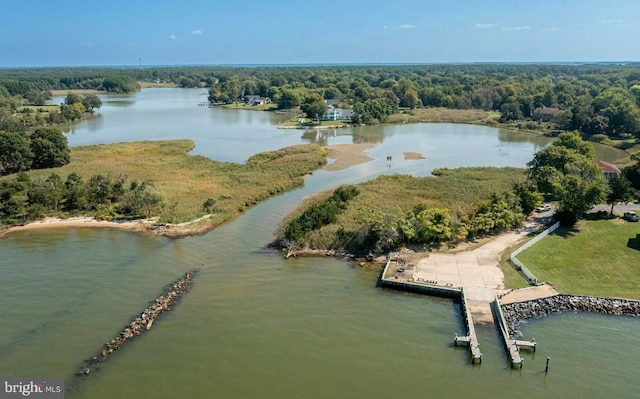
point(516, 313)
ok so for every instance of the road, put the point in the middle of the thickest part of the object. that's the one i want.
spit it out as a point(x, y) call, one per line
point(618, 209)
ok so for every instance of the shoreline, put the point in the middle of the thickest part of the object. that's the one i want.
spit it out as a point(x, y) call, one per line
point(136, 226)
point(517, 313)
point(345, 156)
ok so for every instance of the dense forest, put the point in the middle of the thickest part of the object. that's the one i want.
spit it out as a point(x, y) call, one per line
point(593, 99)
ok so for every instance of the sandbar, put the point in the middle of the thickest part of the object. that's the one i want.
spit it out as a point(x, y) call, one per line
point(412, 156)
point(347, 155)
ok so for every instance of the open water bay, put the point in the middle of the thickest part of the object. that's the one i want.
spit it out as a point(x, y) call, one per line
point(257, 326)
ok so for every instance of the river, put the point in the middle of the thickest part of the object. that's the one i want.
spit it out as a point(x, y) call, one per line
point(257, 326)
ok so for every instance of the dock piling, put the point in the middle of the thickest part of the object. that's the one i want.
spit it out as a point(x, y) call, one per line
point(546, 369)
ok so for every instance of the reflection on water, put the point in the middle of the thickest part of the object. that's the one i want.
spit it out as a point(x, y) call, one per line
point(119, 103)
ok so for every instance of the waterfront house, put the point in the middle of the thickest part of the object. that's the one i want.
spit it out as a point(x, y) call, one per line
point(544, 114)
point(608, 169)
point(337, 114)
point(255, 100)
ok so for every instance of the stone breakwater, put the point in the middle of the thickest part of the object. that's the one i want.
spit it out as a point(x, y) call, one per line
point(517, 313)
point(142, 322)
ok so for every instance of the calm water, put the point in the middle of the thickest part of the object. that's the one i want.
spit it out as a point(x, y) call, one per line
point(256, 326)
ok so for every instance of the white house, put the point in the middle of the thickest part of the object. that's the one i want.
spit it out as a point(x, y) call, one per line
point(337, 114)
point(255, 100)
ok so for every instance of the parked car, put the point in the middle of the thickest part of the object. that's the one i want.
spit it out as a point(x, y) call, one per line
point(543, 208)
point(631, 216)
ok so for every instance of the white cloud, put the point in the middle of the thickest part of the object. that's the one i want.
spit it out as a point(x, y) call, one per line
point(406, 26)
point(611, 21)
point(485, 26)
point(196, 32)
point(515, 27)
point(172, 37)
point(551, 29)
point(385, 27)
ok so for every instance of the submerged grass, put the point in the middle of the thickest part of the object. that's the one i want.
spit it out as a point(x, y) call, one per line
point(597, 257)
point(186, 181)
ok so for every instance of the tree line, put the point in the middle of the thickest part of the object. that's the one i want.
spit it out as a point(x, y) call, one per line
point(43, 148)
point(594, 99)
point(24, 198)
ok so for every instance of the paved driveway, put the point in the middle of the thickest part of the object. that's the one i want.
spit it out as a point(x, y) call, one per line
point(618, 209)
point(476, 268)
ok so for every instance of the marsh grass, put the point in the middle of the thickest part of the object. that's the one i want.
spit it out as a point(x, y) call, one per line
point(597, 257)
point(391, 197)
point(186, 181)
point(438, 115)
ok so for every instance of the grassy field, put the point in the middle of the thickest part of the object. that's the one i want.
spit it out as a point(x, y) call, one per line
point(57, 93)
point(240, 105)
point(186, 181)
point(513, 279)
point(597, 257)
point(438, 115)
point(146, 85)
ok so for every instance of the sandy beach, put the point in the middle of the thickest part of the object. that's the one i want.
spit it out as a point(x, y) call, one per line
point(79, 221)
point(347, 155)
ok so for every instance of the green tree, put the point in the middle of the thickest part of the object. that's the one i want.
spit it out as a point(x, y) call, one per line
point(410, 99)
point(433, 225)
point(49, 148)
point(91, 102)
point(619, 190)
point(314, 107)
point(529, 197)
point(563, 120)
point(621, 110)
point(75, 195)
point(15, 153)
point(510, 111)
point(567, 170)
point(289, 99)
point(120, 84)
point(72, 98)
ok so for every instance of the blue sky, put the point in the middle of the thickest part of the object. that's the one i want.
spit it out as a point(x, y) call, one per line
point(181, 32)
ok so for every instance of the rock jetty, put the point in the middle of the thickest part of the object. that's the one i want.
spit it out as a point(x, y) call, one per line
point(143, 322)
point(516, 313)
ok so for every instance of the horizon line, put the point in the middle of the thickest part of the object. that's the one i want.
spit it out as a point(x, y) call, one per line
point(311, 64)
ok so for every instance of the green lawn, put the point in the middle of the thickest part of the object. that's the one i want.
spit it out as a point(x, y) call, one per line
point(597, 257)
point(513, 279)
point(241, 105)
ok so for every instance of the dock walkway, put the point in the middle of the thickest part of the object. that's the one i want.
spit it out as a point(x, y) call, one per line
point(477, 303)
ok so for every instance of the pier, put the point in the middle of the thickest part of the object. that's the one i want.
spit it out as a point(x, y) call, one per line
point(511, 345)
point(470, 340)
point(477, 303)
